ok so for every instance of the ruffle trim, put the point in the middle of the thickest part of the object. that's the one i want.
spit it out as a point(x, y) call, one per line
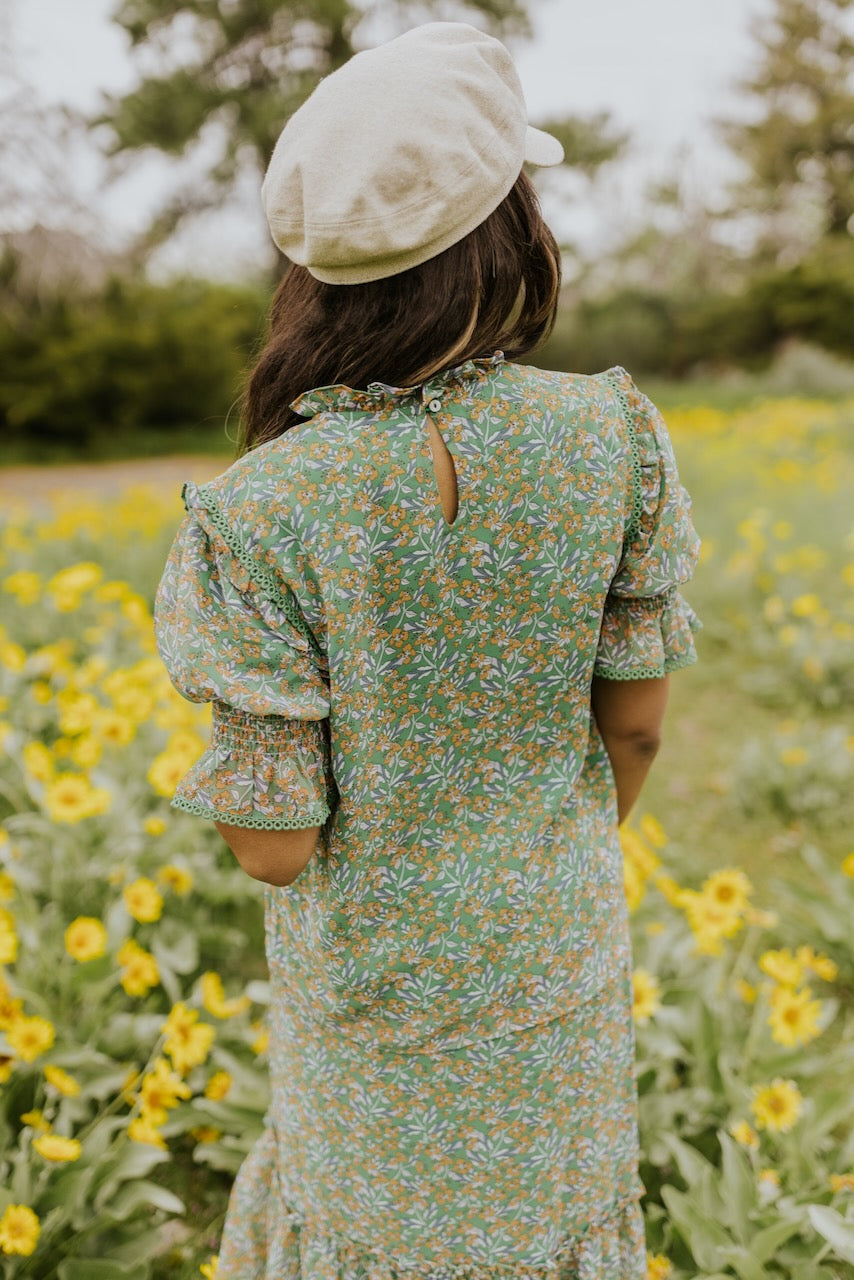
point(338, 396)
point(633, 527)
point(265, 772)
point(646, 637)
point(269, 1238)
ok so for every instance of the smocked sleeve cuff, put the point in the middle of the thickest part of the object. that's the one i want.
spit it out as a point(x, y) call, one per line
point(260, 771)
point(646, 637)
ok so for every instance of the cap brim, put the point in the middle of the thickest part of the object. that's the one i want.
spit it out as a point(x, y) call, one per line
point(542, 148)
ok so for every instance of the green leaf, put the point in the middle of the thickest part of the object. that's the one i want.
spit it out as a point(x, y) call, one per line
point(133, 1196)
point(766, 1242)
point(706, 1239)
point(739, 1185)
point(745, 1266)
point(97, 1269)
point(689, 1162)
point(135, 1160)
point(833, 1228)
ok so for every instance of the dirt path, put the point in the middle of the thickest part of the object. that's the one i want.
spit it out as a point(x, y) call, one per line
point(37, 486)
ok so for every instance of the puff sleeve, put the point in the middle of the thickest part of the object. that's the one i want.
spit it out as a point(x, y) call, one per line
point(226, 636)
point(648, 627)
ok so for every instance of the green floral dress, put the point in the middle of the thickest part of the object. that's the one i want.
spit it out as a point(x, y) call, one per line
point(451, 1039)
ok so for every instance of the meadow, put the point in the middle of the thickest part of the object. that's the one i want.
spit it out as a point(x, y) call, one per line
point(132, 974)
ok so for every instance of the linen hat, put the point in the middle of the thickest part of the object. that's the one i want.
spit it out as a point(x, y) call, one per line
point(400, 153)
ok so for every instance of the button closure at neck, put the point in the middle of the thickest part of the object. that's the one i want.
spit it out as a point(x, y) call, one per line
point(339, 396)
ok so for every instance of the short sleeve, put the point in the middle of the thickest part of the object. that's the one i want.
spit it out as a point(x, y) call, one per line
point(227, 640)
point(648, 626)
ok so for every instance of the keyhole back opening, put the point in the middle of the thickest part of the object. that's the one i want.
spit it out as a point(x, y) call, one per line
point(443, 469)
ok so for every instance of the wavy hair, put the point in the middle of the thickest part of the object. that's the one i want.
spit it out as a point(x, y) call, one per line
point(497, 288)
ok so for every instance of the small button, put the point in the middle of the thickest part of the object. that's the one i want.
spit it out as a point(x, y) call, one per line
point(434, 406)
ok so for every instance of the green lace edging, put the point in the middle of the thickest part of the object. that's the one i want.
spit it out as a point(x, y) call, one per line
point(287, 603)
point(633, 527)
point(648, 673)
point(315, 815)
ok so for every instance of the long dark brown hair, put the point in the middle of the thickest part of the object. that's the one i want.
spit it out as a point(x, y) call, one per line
point(389, 330)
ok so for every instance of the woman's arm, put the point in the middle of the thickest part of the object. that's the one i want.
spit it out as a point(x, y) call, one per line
point(629, 714)
point(275, 857)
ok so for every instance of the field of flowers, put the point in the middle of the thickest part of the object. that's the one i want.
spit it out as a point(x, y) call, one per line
point(132, 975)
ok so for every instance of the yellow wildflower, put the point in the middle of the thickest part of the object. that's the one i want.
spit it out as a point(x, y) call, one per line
point(213, 997)
point(848, 864)
point(669, 889)
point(777, 1106)
point(632, 884)
point(141, 1129)
point(29, 1037)
point(645, 995)
point(154, 825)
point(54, 1147)
point(188, 1041)
point(25, 585)
point(35, 1120)
point(783, 966)
point(794, 1017)
point(205, 1133)
point(61, 1081)
point(653, 831)
point(658, 1267)
point(728, 889)
point(85, 938)
point(143, 900)
point(744, 1134)
point(113, 728)
point(805, 606)
point(262, 1038)
point(178, 879)
point(8, 937)
point(76, 578)
point(841, 1181)
point(821, 965)
point(71, 797)
point(209, 1269)
point(166, 771)
point(218, 1085)
point(38, 760)
point(139, 968)
point(7, 887)
point(161, 1088)
point(746, 990)
point(13, 656)
point(19, 1229)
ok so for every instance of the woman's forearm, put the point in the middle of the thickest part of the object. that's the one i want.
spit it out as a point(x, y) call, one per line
point(630, 760)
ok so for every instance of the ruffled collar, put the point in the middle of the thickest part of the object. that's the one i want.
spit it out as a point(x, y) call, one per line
point(339, 396)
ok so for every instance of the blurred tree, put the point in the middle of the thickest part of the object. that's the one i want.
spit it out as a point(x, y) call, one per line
point(223, 76)
point(799, 147)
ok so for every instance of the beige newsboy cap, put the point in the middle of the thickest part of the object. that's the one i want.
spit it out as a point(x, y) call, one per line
point(400, 153)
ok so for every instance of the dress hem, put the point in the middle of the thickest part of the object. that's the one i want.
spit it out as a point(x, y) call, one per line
point(295, 1245)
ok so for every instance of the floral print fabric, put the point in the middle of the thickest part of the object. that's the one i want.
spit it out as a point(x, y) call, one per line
point(465, 903)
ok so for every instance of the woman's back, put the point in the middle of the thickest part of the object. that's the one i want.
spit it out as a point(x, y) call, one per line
point(450, 899)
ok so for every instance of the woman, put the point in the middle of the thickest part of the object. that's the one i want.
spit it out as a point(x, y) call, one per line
point(436, 616)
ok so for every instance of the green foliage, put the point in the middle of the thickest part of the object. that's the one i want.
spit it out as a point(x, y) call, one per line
point(247, 66)
point(673, 333)
point(133, 355)
point(797, 147)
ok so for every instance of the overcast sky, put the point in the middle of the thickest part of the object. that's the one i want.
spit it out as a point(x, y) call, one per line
point(664, 68)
